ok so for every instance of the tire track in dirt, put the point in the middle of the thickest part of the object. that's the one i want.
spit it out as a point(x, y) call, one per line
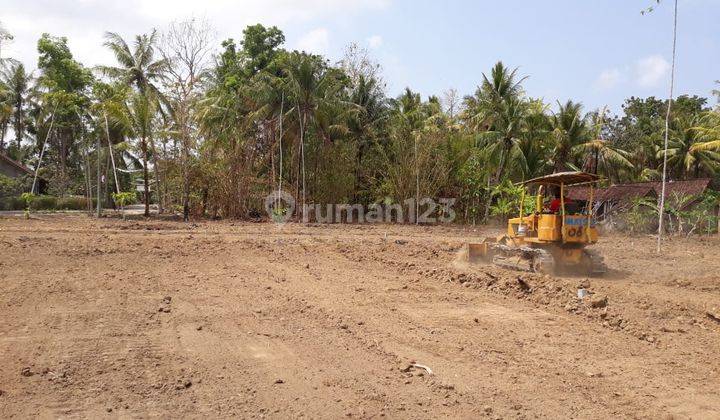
point(611, 388)
point(424, 341)
point(335, 313)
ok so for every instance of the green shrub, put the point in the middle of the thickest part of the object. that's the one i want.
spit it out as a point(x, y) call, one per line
point(75, 202)
point(44, 202)
point(12, 187)
point(123, 199)
point(641, 217)
point(12, 203)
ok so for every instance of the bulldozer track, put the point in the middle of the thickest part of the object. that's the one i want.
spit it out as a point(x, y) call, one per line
point(538, 260)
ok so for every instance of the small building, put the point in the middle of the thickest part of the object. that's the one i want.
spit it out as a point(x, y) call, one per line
point(16, 170)
point(139, 184)
point(13, 169)
point(620, 197)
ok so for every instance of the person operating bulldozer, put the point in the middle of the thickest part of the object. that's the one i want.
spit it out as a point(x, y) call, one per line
point(556, 203)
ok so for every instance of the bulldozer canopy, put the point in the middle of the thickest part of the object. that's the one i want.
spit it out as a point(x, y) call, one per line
point(567, 178)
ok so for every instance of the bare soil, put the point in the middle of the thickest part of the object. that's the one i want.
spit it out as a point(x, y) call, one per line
point(111, 318)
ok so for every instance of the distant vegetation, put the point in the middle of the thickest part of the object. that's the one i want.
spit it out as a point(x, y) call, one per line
point(213, 128)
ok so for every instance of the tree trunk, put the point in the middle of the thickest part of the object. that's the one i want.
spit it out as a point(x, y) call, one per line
point(498, 177)
point(488, 201)
point(297, 172)
point(301, 165)
point(146, 192)
point(596, 159)
point(156, 170)
point(19, 125)
point(186, 181)
point(99, 183)
point(183, 118)
point(3, 131)
point(63, 163)
point(164, 184)
point(302, 156)
point(108, 189)
point(358, 162)
point(560, 161)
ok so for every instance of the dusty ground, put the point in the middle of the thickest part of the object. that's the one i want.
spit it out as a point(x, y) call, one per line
point(162, 319)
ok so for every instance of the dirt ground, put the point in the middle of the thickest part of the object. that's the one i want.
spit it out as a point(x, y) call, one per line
point(111, 318)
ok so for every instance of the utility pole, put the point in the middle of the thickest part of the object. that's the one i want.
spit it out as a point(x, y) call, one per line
point(99, 209)
point(42, 152)
point(661, 205)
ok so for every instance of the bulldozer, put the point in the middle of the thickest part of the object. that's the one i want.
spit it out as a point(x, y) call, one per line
point(550, 239)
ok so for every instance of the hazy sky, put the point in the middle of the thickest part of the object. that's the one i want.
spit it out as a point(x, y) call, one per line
point(594, 51)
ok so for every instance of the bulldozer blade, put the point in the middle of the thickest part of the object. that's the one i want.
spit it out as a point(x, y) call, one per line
point(483, 251)
point(515, 258)
point(478, 252)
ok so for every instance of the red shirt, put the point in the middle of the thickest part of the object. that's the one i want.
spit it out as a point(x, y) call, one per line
point(555, 204)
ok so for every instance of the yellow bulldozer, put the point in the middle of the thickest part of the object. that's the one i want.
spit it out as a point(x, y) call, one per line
point(554, 236)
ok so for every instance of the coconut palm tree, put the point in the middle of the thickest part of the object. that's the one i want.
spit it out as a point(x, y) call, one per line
point(368, 111)
point(5, 113)
point(503, 140)
point(17, 83)
point(482, 108)
point(135, 117)
point(497, 110)
point(688, 154)
point(708, 131)
point(309, 83)
point(536, 135)
point(140, 69)
point(602, 155)
point(407, 108)
point(137, 67)
point(569, 131)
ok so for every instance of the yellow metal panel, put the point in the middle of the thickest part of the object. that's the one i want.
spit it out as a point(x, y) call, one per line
point(549, 227)
point(576, 230)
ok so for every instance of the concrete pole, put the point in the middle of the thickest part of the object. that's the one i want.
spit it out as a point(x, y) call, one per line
point(99, 183)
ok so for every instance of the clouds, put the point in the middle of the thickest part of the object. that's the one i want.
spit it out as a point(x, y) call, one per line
point(652, 71)
point(280, 12)
point(375, 42)
point(649, 72)
point(83, 22)
point(316, 41)
point(608, 79)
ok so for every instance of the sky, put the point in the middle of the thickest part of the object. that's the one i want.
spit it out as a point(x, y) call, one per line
point(598, 52)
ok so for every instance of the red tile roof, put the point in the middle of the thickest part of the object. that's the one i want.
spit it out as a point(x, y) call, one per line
point(613, 193)
point(686, 187)
point(16, 164)
point(628, 192)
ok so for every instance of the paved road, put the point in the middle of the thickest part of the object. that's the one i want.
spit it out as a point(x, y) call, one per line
point(132, 210)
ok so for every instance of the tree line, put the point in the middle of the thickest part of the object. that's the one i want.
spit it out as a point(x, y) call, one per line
point(212, 128)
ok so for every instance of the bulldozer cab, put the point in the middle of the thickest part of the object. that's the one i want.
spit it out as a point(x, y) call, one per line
point(555, 218)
